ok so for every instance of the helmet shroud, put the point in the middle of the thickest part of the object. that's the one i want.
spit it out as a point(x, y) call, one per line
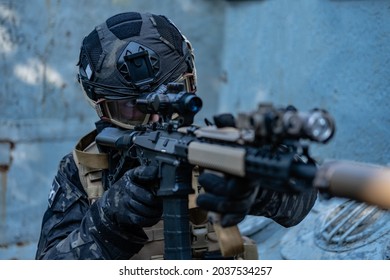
point(130, 54)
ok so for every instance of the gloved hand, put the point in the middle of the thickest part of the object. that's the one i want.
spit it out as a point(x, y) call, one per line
point(130, 201)
point(231, 197)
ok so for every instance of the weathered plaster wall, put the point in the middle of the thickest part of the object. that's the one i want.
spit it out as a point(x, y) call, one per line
point(333, 54)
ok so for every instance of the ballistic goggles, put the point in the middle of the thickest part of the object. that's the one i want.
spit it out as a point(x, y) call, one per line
point(124, 113)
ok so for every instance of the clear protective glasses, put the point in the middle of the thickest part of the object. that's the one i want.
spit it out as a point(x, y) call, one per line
point(122, 112)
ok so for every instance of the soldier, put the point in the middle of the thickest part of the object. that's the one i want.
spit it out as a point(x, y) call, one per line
point(90, 216)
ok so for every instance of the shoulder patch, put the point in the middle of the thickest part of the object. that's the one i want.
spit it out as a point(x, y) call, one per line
point(53, 192)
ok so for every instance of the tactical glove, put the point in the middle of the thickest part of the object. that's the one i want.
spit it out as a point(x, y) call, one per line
point(131, 201)
point(231, 197)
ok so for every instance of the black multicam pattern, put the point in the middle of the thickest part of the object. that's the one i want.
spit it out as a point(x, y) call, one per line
point(72, 229)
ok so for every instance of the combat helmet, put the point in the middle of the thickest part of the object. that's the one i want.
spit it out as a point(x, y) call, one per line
point(130, 54)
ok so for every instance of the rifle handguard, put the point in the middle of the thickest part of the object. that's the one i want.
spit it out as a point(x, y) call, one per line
point(218, 157)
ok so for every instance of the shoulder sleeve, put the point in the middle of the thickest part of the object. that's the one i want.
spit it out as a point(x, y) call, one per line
point(68, 229)
point(67, 205)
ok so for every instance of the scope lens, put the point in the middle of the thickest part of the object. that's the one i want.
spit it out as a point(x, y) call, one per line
point(194, 104)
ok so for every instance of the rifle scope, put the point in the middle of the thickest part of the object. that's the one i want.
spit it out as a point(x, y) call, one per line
point(169, 100)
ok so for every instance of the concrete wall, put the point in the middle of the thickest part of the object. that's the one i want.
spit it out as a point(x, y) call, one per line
point(309, 53)
point(42, 110)
point(332, 54)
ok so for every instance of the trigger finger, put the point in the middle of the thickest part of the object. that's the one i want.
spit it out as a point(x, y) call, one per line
point(144, 174)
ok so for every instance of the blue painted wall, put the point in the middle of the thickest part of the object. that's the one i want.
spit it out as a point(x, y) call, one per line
point(314, 53)
point(42, 110)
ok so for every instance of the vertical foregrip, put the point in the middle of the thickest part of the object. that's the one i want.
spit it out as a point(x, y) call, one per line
point(176, 229)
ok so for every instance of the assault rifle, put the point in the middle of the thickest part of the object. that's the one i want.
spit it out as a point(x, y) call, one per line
point(269, 145)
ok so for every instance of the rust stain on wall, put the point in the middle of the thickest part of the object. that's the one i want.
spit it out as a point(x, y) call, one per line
point(3, 175)
point(5, 163)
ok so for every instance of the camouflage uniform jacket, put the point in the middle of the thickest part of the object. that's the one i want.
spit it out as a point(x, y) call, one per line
point(72, 229)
